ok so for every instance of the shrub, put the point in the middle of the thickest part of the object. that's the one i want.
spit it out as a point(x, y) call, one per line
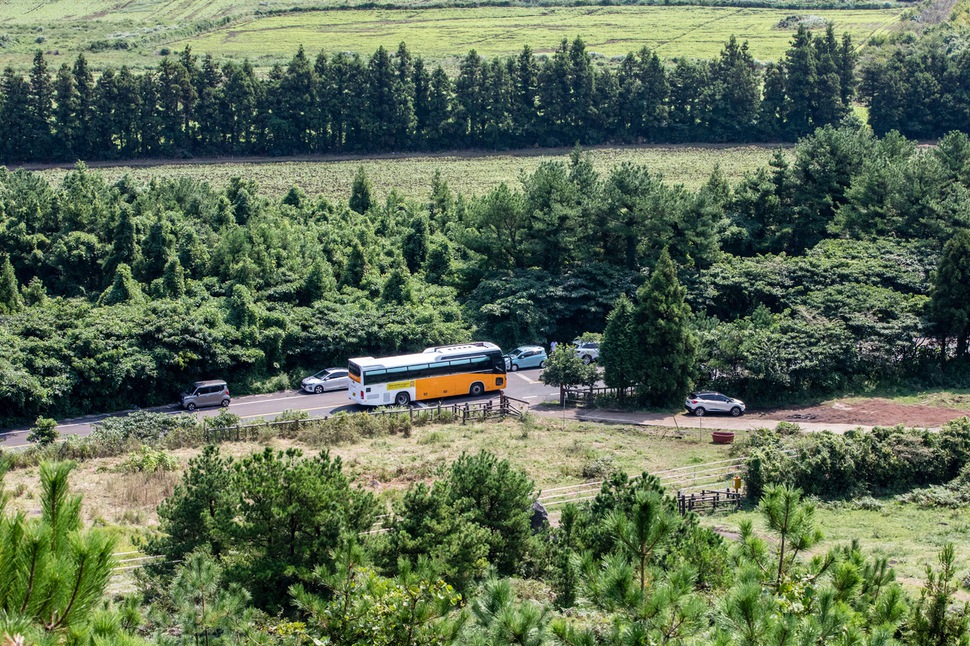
point(44, 432)
point(149, 460)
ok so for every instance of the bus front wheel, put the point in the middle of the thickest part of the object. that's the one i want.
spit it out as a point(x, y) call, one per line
point(477, 388)
point(402, 399)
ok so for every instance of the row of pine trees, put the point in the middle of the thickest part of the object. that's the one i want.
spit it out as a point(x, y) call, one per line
point(395, 101)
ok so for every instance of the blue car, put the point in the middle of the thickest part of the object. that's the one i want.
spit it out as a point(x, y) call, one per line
point(526, 356)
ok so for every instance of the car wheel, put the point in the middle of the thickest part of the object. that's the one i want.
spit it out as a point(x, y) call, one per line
point(542, 364)
point(587, 359)
point(699, 412)
point(402, 398)
point(318, 389)
point(477, 388)
point(190, 407)
point(515, 368)
point(225, 403)
point(736, 411)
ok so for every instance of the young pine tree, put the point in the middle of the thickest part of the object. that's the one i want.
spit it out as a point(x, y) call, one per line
point(666, 347)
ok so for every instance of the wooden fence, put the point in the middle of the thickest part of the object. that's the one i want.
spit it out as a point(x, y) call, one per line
point(682, 481)
point(462, 412)
point(587, 395)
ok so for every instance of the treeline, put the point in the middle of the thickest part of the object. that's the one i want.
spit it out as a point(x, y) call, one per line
point(919, 86)
point(394, 101)
point(809, 275)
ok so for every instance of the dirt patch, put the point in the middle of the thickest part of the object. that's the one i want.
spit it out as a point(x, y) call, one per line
point(866, 412)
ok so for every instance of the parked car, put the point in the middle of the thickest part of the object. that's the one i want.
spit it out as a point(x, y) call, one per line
point(526, 356)
point(205, 393)
point(588, 351)
point(709, 401)
point(329, 379)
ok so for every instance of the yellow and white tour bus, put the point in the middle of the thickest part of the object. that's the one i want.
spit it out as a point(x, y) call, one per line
point(440, 371)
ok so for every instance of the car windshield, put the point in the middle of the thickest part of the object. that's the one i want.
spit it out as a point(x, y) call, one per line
point(321, 374)
point(516, 352)
point(188, 390)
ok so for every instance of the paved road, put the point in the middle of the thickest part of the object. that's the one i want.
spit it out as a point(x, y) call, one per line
point(522, 385)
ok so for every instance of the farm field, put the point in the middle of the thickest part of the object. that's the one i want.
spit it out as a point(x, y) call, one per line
point(469, 174)
point(115, 33)
point(492, 31)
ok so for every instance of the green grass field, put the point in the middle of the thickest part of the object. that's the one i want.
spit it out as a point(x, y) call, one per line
point(234, 29)
point(608, 31)
point(468, 174)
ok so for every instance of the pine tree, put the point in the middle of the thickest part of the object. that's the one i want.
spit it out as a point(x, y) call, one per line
point(360, 192)
point(66, 126)
point(949, 308)
point(16, 140)
point(397, 287)
point(10, 301)
point(55, 572)
point(667, 348)
point(616, 349)
point(801, 71)
point(173, 278)
point(124, 289)
point(319, 282)
point(84, 84)
point(414, 247)
point(354, 268)
point(581, 92)
point(470, 98)
point(441, 130)
point(42, 108)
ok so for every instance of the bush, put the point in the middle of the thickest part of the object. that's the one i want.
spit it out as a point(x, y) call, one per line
point(836, 466)
point(44, 432)
point(149, 460)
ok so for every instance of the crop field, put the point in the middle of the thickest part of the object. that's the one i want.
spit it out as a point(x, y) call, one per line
point(411, 176)
point(608, 31)
point(113, 32)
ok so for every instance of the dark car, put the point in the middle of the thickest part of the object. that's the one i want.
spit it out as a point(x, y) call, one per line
point(709, 401)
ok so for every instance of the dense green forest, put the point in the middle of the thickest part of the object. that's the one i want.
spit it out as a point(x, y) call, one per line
point(394, 102)
point(808, 276)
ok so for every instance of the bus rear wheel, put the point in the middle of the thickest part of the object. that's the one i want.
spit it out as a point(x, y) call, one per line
point(402, 398)
point(477, 388)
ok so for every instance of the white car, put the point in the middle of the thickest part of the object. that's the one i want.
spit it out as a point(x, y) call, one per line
point(588, 351)
point(710, 401)
point(329, 379)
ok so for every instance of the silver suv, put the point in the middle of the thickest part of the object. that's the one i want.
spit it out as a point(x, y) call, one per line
point(710, 401)
point(205, 393)
point(588, 351)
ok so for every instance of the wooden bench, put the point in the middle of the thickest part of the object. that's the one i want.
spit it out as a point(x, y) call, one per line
point(708, 499)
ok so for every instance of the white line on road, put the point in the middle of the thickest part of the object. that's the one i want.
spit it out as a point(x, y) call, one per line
point(521, 376)
point(309, 410)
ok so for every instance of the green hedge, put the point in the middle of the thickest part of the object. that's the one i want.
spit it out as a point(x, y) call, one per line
point(829, 465)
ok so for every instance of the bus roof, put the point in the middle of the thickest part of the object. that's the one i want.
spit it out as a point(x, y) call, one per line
point(430, 355)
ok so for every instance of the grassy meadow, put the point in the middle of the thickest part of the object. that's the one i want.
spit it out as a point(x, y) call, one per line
point(469, 174)
point(115, 32)
point(502, 31)
point(904, 533)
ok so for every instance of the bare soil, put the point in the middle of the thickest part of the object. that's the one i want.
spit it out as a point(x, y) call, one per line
point(865, 412)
